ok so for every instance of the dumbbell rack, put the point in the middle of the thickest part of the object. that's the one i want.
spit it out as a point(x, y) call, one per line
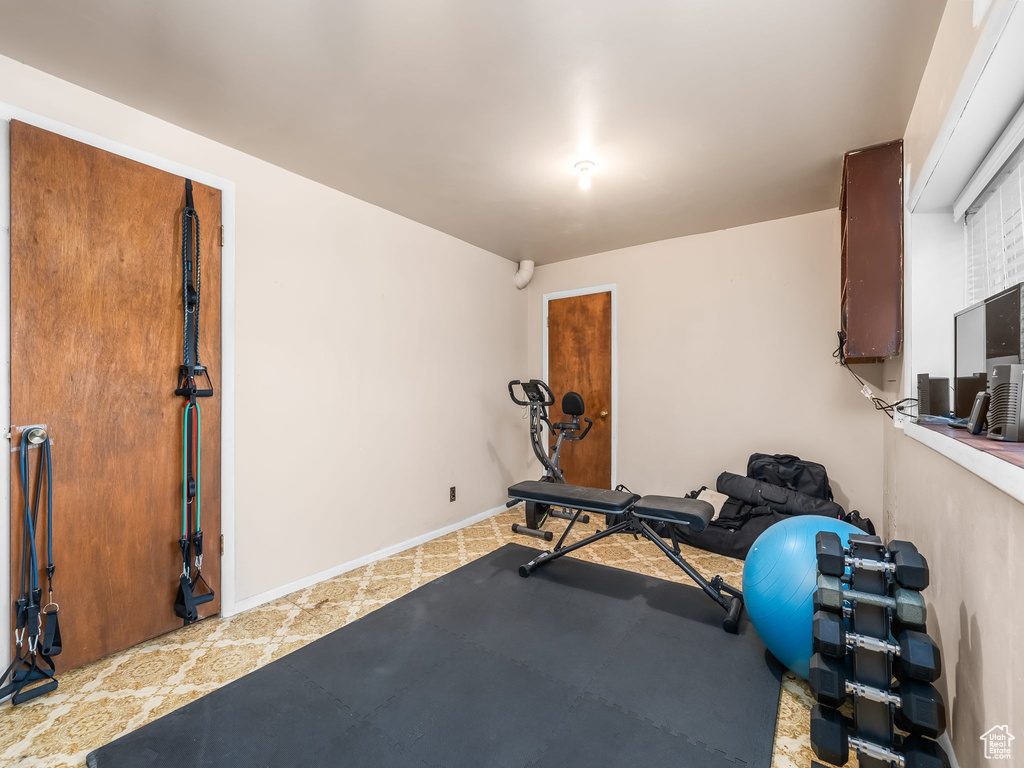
point(873, 719)
point(872, 732)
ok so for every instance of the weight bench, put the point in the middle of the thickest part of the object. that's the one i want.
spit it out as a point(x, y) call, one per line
point(633, 511)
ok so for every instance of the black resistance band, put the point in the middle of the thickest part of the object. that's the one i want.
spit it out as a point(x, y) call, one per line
point(29, 678)
point(188, 600)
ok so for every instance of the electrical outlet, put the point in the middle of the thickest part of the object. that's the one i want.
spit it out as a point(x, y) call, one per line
point(451, 493)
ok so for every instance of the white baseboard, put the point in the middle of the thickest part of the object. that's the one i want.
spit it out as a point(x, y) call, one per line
point(308, 581)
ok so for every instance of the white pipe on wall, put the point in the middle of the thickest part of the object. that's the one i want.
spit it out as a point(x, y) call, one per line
point(523, 275)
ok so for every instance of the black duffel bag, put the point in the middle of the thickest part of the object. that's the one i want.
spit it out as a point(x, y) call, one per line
point(734, 532)
point(763, 494)
point(788, 471)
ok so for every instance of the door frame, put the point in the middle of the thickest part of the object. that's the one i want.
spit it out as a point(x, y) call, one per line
point(10, 112)
point(607, 288)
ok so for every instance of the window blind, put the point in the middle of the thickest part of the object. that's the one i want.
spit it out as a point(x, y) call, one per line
point(994, 235)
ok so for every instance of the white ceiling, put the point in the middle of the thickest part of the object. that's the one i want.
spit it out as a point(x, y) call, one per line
point(469, 115)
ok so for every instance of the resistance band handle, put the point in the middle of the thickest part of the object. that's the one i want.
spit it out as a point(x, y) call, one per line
point(187, 602)
point(28, 679)
point(204, 597)
point(184, 605)
point(187, 384)
point(51, 645)
point(25, 693)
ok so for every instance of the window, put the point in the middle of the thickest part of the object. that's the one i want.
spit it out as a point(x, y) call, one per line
point(994, 235)
point(975, 170)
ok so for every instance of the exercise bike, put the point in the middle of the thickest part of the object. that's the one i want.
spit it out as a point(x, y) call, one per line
point(538, 397)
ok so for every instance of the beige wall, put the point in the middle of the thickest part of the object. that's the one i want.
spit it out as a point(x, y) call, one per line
point(973, 537)
point(725, 342)
point(952, 49)
point(396, 340)
point(972, 533)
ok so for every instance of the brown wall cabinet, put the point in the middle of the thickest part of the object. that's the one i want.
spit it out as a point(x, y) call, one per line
point(871, 208)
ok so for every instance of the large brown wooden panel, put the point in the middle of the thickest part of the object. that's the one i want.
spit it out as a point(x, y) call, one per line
point(96, 341)
point(872, 252)
point(580, 360)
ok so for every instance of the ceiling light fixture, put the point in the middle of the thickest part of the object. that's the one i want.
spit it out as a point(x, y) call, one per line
point(584, 167)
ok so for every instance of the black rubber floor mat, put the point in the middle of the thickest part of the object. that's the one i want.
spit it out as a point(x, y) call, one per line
point(579, 665)
point(595, 734)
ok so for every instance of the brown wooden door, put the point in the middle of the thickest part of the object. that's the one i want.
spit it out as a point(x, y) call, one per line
point(580, 360)
point(96, 341)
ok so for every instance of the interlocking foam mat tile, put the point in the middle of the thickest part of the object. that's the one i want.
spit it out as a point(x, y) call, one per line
point(578, 665)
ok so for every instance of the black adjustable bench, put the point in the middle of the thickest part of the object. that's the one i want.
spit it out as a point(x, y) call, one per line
point(633, 511)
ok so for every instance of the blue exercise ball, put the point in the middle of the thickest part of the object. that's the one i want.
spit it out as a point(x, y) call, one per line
point(779, 578)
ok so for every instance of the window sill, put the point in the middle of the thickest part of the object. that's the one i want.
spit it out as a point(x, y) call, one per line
point(1006, 474)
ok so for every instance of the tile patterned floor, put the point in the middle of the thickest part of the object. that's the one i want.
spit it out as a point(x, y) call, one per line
point(113, 696)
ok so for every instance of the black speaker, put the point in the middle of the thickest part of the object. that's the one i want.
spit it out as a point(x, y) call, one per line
point(966, 392)
point(1006, 406)
point(932, 395)
point(979, 414)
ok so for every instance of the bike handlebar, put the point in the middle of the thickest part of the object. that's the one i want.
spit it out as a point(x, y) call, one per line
point(535, 391)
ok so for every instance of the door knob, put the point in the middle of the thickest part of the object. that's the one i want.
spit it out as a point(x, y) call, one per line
point(604, 414)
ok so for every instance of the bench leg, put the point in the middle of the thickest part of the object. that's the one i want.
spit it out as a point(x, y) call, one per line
point(535, 532)
point(572, 522)
point(530, 567)
point(568, 515)
point(733, 604)
point(538, 513)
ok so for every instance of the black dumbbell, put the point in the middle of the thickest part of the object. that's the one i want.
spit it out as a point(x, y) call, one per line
point(896, 627)
point(919, 707)
point(831, 742)
point(906, 605)
point(909, 567)
point(905, 563)
point(918, 656)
